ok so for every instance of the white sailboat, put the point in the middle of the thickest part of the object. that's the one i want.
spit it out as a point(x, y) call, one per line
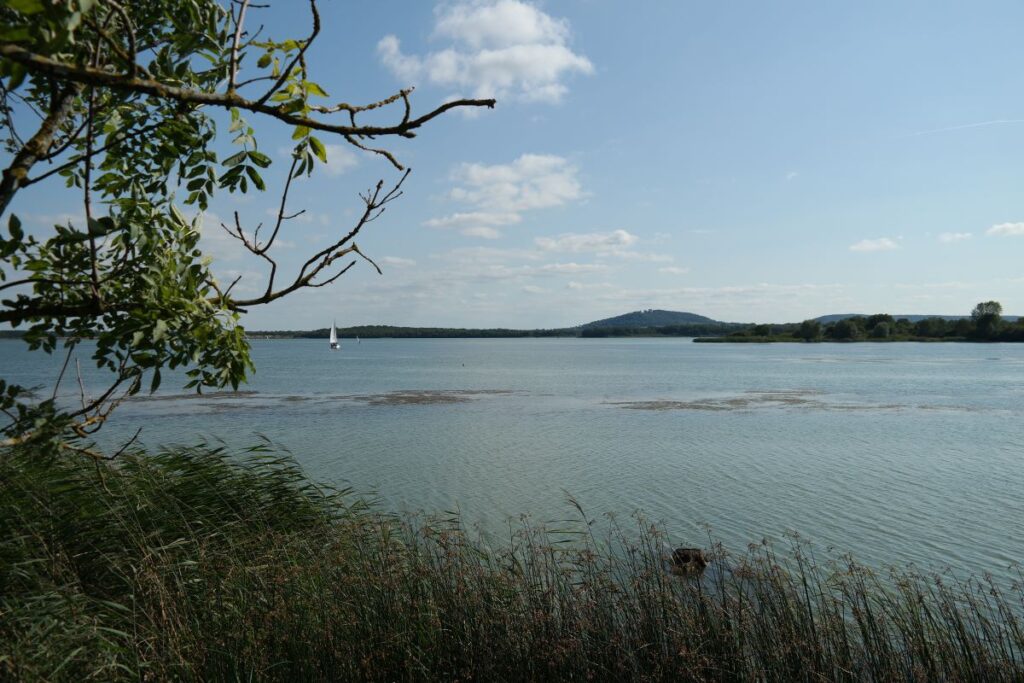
point(334, 337)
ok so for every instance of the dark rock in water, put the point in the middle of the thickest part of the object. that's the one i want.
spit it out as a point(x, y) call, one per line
point(688, 561)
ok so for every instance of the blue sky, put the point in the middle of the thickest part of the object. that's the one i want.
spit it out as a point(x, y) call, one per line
point(747, 161)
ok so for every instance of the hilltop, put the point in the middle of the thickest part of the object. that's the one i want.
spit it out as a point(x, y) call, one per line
point(651, 318)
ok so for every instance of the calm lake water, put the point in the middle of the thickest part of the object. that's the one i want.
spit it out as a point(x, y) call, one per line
point(897, 453)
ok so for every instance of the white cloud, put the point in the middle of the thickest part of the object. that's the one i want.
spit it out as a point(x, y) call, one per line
point(499, 193)
point(500, 24)
point(533, 181)
point(475, 223)
point(483, 231)
point(674, 270)
point(398, 261)
point(588, 242)
point(470, 219)
point(880, 244)
point(573, 268)
point(340, 158)
point(534, 289)
point(1006, 229)
point(950, 237)
point(579, 286)
point(791, 175)
point(644, 256)
point(503, 48)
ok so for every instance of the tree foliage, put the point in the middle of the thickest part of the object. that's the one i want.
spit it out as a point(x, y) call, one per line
point(115, 100)
point(985, 324)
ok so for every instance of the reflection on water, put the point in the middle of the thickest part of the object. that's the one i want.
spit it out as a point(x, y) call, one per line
point(897, 452)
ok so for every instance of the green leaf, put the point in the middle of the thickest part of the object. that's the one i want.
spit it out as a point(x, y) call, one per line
point(18, 73)
point(264, 61)
point(318, 148)
point(159, 330)
point(314, 89)
point(260, 159)
point(14, 227)
point(155, 384)
point(300, 132)
point(26, 6)
point(234, 159)
point(15, 34)
point(256, 179)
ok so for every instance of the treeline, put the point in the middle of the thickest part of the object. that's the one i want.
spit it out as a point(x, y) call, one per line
point(985, 324)
point(685, 330)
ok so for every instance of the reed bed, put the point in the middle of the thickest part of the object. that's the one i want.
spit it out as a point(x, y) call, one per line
point(199, 564)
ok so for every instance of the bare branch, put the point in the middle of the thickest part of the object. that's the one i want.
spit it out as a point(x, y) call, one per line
point(375, 202)
point(233, 64)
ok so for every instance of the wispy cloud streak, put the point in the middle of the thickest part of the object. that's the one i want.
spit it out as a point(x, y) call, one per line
point(980, 124)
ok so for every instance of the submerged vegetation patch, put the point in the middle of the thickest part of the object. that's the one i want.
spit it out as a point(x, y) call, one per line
point(199, 564)
point(759, 399)
point(426, 396)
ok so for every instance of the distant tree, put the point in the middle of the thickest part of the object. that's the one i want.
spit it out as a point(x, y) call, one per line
point(931, 327)
point(987, 317)
point(874, 320)
point(963, 328)
point(880, 331)
point(761, 330)
point(847, 329)
point(810, 330)
point(986, 308)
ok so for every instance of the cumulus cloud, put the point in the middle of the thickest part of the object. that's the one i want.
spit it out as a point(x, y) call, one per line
point(503, 48)
point(880, 244)
point(950, 237)
point(533, 181)
point(1006, 229)
point(499, 193)
point(588, 242)
point(674, 270)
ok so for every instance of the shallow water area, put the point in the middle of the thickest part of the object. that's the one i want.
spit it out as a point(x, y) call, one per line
point(897, 453)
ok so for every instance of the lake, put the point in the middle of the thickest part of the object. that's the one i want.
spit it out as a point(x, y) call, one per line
point(898, 453)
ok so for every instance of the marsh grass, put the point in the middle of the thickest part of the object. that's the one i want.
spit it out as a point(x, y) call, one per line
point(204, 565)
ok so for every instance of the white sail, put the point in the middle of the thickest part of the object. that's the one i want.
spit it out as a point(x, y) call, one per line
point(334, 336)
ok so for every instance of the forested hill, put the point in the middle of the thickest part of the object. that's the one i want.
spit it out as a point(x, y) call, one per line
point(651, 318)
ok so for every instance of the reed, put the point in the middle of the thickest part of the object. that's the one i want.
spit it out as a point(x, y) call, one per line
point(199, 564)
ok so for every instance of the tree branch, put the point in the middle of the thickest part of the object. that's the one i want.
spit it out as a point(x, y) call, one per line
point(84, 75)
point(37, 147)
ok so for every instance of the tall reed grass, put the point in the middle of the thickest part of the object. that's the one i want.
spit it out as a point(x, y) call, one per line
point(197, 564)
